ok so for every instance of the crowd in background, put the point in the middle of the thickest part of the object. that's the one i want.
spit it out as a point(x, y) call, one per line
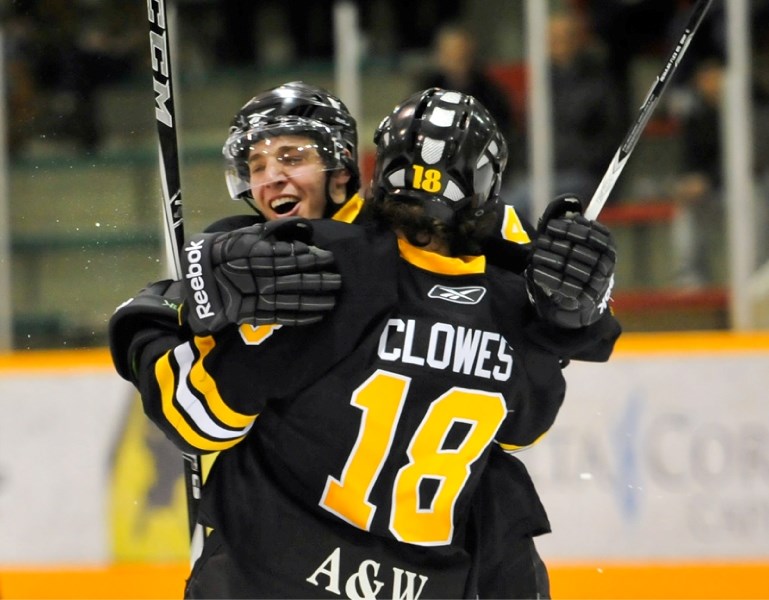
point(60, 53)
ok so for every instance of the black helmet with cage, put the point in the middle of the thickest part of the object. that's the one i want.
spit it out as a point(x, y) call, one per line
point(294, 108)
point(443, 150)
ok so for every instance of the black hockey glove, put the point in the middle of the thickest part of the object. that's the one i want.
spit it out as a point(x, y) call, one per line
point(263, 274)
point(571, 271)
point(151, 314)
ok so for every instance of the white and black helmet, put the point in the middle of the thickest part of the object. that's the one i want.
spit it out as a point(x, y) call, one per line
point(294, 108)
point(443, 149)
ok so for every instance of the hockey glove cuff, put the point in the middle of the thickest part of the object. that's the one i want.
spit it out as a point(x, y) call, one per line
point(263, 274)
point(571, 271)
point(152, 313)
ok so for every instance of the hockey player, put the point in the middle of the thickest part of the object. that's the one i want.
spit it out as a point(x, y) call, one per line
point(187, 435)
point(316, 119)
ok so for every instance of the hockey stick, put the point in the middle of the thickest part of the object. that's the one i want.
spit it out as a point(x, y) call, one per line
point(168, 155)
point(631, 139)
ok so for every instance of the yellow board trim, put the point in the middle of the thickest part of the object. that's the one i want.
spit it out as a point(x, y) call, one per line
point(747, 580)
point(694, 342)
point(700, 342)
point(57, 360)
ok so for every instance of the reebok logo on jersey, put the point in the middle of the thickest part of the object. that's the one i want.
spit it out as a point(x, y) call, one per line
point(460, 295)
point(194, 274)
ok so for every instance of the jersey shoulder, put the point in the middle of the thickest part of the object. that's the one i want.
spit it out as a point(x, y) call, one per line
point(233, 222)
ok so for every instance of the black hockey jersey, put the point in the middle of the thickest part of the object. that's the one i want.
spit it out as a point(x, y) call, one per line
point(377, 420)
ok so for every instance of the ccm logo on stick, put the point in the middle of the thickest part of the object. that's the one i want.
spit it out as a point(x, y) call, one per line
point(160, 67)
point(194, 274)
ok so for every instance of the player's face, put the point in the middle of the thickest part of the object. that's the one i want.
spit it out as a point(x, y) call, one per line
point(288, 177)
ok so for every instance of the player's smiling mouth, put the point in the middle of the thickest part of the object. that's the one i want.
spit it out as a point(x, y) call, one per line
point(284, 204)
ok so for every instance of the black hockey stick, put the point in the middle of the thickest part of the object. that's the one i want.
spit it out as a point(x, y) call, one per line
point(631, 139)
point(172, 211)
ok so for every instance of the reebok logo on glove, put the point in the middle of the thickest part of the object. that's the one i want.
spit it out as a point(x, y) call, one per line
point(604, 304)
point(260, 275)
point(195, 276)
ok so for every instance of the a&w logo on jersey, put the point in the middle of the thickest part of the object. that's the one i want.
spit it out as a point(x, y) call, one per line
point(460, 295)
point(366, 582)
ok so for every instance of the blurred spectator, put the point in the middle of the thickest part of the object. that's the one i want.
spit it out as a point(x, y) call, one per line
point(64, 52)
point(309, 27)
point(697, 192)
point(628, 28)
point(87, 49)
point(409, 19)
point(458, 67)
point(235, 45)
point(22, 89)
point(307, 31)
point(585, 107)
point(760, 39)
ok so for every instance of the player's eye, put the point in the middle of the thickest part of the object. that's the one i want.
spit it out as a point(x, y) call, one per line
point(293, 157)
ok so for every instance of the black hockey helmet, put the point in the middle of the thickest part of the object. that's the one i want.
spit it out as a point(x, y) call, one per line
point(442, 149)
point(294, 108)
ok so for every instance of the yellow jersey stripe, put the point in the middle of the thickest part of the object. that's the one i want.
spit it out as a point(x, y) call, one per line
point(512, 448)
point(512, 228)
point(165, 377)
point(350, 210)
point(205, 384)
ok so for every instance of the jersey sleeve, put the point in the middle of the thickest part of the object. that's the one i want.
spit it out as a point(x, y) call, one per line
point(594, 343)
point(206, 393)
point(539, 392)
point(183, 398)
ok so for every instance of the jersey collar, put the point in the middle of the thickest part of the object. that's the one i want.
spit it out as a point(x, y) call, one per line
point(444, 265)
point(350, 210)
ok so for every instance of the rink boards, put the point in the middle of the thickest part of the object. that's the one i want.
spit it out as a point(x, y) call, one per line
point(655, 477)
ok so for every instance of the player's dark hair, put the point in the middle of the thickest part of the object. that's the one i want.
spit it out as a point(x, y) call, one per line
point(463, 235)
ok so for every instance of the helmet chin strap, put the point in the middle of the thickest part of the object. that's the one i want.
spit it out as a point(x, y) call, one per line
point(250, 203)
point(331, 206)
point(328, 209)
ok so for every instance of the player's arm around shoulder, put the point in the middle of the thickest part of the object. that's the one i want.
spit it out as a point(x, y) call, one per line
point(537, 387)
point(367, 260)
point(144, 333)
point(205, 393)
point(150, 319)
